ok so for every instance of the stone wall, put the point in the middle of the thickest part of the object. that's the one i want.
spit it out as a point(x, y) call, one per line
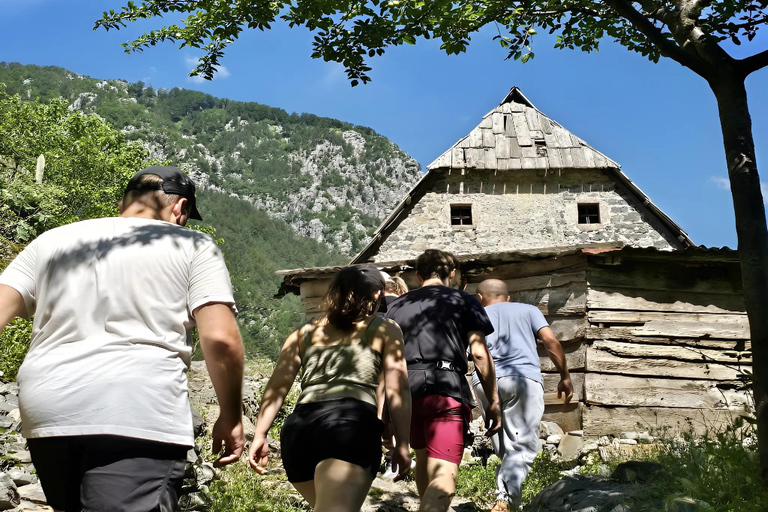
point(523, 210)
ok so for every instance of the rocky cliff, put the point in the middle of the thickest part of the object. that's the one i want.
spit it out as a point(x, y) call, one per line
point(329, 180)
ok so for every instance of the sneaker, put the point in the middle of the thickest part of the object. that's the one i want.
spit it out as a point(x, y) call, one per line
point(500, 506)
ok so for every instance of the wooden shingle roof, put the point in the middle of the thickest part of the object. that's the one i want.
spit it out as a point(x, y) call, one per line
point(516, 135)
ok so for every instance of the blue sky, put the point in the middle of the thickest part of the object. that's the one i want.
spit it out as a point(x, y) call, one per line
point(659, 121)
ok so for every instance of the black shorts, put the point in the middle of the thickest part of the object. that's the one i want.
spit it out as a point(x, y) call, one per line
point(108, 473)
point(346, 429)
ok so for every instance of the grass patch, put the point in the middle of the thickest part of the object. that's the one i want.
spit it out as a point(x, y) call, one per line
point(242, 490)
point(477, 482)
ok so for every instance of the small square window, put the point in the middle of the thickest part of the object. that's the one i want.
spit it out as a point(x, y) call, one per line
point(589, 213)
point(461, 215)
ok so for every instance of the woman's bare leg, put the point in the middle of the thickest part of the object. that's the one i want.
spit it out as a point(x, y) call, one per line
point(340, 486)
point(307, 490)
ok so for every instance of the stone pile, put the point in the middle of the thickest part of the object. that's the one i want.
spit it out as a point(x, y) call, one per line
point(19, 487)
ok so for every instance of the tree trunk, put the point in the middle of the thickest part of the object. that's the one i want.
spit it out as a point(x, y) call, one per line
point(751, 230)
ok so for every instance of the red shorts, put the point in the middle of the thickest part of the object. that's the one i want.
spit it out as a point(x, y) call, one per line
point(438, 424)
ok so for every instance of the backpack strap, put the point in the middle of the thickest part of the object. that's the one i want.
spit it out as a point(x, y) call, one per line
point(373, 326)
point(306, 342)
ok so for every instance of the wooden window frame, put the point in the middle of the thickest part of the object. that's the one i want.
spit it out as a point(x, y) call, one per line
point(461, 212)
point(594, 210)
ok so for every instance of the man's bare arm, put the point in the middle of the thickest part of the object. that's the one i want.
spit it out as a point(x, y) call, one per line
point(555, 351)
point(11, 305)
point(487, 375)
point(223, 351)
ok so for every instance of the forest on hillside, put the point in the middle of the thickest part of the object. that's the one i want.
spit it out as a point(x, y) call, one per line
point(87, 163)
point(329, 180)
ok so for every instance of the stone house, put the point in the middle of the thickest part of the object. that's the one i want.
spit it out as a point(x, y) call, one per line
point(519, 180)
point(653, 327)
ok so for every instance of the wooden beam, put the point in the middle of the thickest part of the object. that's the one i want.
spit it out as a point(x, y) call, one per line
point(600, 421)
point(625, 334)
point(600, 361)
point(663, 300)
point(687, 354)
point(568, 416)
point(620, 390)
point(642, 323)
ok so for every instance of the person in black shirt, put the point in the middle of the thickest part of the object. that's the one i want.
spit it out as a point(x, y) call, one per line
point(439, 323)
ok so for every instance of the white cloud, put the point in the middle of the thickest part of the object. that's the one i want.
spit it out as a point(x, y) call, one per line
point(191, 62)
point(334, 75)
point(721, 182)
point(725, 184)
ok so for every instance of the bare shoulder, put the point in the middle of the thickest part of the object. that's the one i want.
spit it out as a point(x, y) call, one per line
point(390, 329)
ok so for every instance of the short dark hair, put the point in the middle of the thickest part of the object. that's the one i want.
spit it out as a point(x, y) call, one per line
point(161, 199)
point(434, 263)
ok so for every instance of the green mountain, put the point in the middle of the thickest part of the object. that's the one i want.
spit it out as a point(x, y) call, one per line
point(282, 190)
point(329, 180)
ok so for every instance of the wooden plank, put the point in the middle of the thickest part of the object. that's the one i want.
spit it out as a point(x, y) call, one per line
point(554, 158)
point(575, 357)
point(475, 158)
point(664, 300)
point(457, 157)
point(502, 148)
point(498, 122)
point(534, 282)
point(561, 265)
point(568, 328)
point(600, 421)
point(533, 119)
point(568, 416)
point(529, 152)
point(487, 121)
point(562, 300)
point(601, 361)
point(669, 276)
point(315, 288)
point(312, 305)
point(515, 151)
point(705, 325)
point(563, 137)
point(546, 126)
point(490, 158)
point(621, 390)
point(489, 139)
point(443, 160)
point(509, 127)
point(672, 352)
point(579, 160)
point(476, 138)
point(566, 157)
point(625, 334)
point(551, 380)
point(521, 129)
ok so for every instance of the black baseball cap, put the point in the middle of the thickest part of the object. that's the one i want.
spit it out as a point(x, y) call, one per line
point(175, 181)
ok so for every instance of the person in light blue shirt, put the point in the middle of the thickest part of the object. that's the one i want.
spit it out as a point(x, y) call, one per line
point(517, 327)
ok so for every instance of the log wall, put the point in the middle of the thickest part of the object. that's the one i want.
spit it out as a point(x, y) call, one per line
point(667, 342)
point(651, 339)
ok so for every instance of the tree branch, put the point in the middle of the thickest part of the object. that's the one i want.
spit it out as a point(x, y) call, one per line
point(657, 37)
point(753, 63)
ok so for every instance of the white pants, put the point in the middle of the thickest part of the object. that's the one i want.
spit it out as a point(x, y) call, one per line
point(517, 444)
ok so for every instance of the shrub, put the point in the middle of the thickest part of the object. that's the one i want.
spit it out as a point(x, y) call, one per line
point(14, 343)
point(478, 482)
point(721, 468)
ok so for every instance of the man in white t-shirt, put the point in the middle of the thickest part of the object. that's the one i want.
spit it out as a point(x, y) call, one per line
point(516, 327)
point(103, 389)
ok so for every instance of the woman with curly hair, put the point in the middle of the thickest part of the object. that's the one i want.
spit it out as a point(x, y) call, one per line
point(331, 443)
